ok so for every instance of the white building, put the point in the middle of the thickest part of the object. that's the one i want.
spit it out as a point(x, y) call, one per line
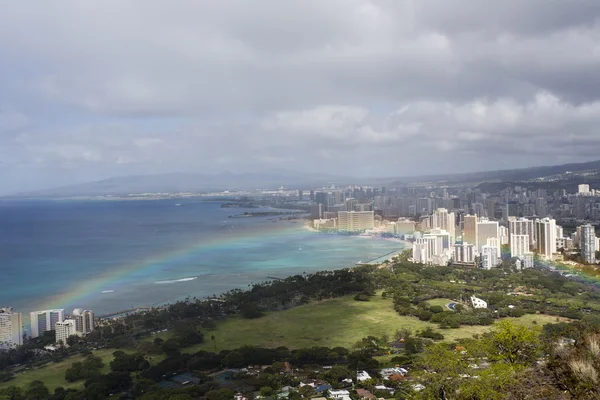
point(588, 244)
point(65, 329)
point(545, 230)
point(362, 376)
point(486, 230)
point(341, 394)
point(527, 260)
point(42, 321)
point(464, 253)
point(84, 321)
point(11, 328)
point(583, 189)
point(478, 303)
point(489, 257)
point(324, 224)
point(519, 245)
point(405, 226)
point(521, 226)
point(503, 234)
point(356, 221)
point(442, 219)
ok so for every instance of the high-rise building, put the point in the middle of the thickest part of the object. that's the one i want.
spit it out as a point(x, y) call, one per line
point(583, 189)
point(470, 229)
point(312, 195)
point(464, 253)
point(316, 211)
point(321, 198)
point(489, 257)
point(519, 245)
point(486, 230)
point(42, 321)
point(300, 195)
point(350, 204)
point(65, 329)
point(588, 244)
point(522, 226)
point(355, 221)
point(84, 320)
point(442, 219)
point(404, 226)
point(503, 235)
point(11, 328)
point(490, 206)
point(545, 230)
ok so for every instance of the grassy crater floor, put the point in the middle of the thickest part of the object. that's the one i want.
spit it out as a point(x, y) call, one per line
point(336, 322)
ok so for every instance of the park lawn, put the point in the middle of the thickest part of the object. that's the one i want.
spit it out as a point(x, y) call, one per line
point(53, 374)
point(335, 322)
point(440, 302)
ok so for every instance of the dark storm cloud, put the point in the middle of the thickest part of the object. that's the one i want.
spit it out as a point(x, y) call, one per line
point(93, 89)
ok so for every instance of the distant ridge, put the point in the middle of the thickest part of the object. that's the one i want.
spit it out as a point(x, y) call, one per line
point(196, 182)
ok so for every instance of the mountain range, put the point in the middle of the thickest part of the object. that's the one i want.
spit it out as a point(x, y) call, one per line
point(199, 182)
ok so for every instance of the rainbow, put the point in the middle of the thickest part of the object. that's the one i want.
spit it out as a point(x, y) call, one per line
point(113, 279)
point(587, 276)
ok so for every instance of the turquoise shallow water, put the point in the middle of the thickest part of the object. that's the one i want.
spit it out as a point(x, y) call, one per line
point(109, 256)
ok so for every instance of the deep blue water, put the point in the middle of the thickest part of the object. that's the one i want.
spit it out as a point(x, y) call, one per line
point(67, 253)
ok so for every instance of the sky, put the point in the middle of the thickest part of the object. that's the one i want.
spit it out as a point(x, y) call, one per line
point(103, 88)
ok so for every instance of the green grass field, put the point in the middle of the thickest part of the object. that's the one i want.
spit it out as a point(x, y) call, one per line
point(337, 322)
point(53, 374)
point(440, 302)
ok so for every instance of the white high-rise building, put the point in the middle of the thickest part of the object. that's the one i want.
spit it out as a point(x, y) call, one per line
point(489, 257)
point(522, 226)
point(519, 245)
point(420, 250)
point(84, 321)
point(583, 189)
point(65, 329)
point(442, 219)
point(42, 321)
point(11, 328)
point(545, 230)
point(486, 230)
point(464, 253)
point(588, 244)
point(503, 234)
point(355, 221)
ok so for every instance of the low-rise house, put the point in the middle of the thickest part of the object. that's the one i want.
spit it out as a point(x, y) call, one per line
point(384, 388)
point(339, 394)
point(387, 372)
point(478, 303)
point(362, 376)
point(365, 394)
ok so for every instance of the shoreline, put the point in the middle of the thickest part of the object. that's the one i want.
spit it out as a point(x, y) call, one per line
point(179, 295)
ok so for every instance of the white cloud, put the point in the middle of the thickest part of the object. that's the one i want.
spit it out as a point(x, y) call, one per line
point(119, 88)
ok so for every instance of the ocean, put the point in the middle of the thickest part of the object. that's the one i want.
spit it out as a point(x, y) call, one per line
point(108, 256)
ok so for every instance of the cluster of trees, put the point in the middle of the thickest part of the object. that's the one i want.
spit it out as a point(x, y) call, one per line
point(90, 367)
point(535, 291)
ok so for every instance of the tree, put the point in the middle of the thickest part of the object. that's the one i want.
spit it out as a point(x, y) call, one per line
point(37, 391)
point(443, 366)
point(513, 343)
point(233, 360)
point(221, 394)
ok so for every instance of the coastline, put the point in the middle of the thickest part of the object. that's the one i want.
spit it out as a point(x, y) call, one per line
point(181, 242)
